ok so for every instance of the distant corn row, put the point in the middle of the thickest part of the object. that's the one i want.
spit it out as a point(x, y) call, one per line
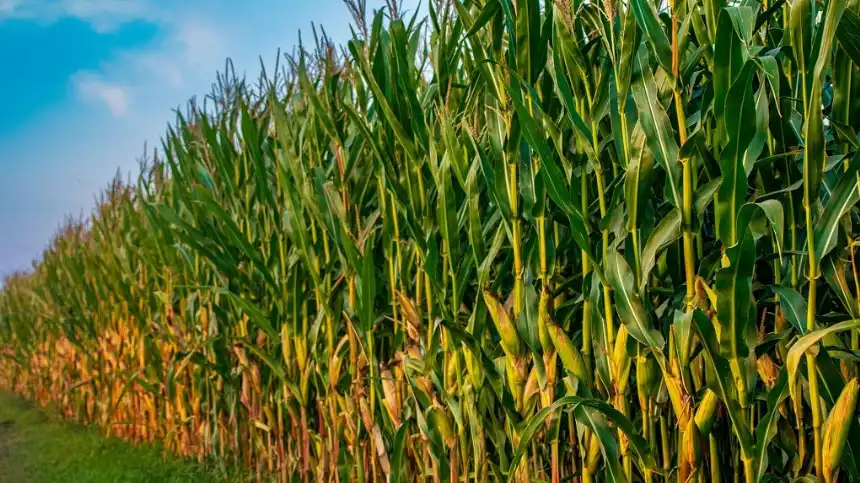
point(512, 241)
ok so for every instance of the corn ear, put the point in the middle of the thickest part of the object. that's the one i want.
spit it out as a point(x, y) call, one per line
point(621, 361)
point(706, 413)
point(544, 321)
point(767, 370)
point(507, 330)
point(836, 428)
point(569, 354)
point(690, 451)
point(647, 379)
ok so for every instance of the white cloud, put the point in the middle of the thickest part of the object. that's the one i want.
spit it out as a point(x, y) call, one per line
point(181, 62)
point(7, 7)
point(158, 66)
point(199, 42)
point(93, 87)
point(184, 53)
point(188, 48)
point(95, 8)
point(103, 15)
point(106, 15)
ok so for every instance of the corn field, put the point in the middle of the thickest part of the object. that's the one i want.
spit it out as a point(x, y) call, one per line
point(488, 240)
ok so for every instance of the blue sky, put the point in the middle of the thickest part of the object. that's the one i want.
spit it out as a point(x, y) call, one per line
point(87, 83)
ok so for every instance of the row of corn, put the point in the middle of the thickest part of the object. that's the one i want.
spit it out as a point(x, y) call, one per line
point(490, 240)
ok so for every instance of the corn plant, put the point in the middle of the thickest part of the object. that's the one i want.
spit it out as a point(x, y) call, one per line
point(508, 240)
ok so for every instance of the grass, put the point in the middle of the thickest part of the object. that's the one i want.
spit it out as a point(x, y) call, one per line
point(35, 448)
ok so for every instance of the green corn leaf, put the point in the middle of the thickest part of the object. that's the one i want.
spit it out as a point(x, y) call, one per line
point(454, 150)
point(637, 182)
point(319, 108)
point(734, 286)
point(843, 198)
point(446, 212)
point(664, 234)
point(658, 129)
point(399, 131)
point(800, 33)
point(397, 452)
point(491, 8)
point(631, 36)
point(740, 114)
point(793, 306)
point(827, 36)
point(728, 63)
point(553, 178)
point(255, 314)
point(586, 411)
point(276, 367)
point(367, 298)
point(767, 427)
point(646, 16)
point(848, 33)
point(775, 215)
point(759, 139)
point(566, 94)
point(629, 305)
point(734, 283)
point(803, 344)
point(435, 419)
point(813, 155)
point(705, 195)
point(527, 325)
point(476, 238)
point(723, 383)
point(833, 268)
